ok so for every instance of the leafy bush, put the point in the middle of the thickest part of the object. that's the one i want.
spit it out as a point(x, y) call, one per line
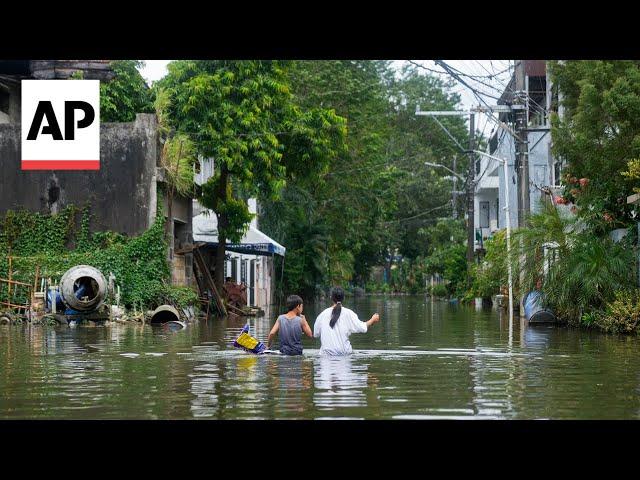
point(180, 296)
point(588, 276)
point(439, 290)
point(492, 273)
point(587, 271)
point(590, 319)
point(125, 95)
point(622, 315)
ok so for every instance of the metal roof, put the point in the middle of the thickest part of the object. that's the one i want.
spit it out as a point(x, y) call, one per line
point(254, 242)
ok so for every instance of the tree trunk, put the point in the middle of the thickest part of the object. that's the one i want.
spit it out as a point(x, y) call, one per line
point(168, 226)
point(223, 222)
point(220, 255)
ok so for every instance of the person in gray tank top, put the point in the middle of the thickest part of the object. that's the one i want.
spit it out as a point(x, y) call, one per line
point(290, 326)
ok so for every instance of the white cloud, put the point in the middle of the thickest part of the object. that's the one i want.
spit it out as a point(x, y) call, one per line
point(154, 70)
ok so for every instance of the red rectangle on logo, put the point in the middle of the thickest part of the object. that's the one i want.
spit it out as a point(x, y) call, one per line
point(60, 164)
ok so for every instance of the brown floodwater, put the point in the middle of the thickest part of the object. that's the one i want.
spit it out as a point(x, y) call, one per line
point(423, 360)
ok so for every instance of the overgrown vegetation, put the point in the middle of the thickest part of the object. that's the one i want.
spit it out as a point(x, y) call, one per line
point(579, 271)
point(48, 241)
point(126, 94)
point(491, 274)
point(582, 272)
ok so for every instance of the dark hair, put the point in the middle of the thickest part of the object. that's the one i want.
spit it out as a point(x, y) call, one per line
point(337, 295)
point(293, 301)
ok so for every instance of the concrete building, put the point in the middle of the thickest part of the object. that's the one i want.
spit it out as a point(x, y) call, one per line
point(123, 194)
point(544, 169)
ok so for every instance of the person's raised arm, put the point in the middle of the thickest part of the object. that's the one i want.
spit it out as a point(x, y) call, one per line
point(305, 327)
point(272, 333)
point(358, 326)
point(375, 318)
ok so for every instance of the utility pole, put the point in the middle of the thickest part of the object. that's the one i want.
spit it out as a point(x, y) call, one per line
point(470, 187)
point(471, 232)
point(520, 100)
point(522, 155)
point(454, 192)
point(470, 182)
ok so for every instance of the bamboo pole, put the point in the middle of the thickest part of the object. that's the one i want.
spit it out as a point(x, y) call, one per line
point(15, 282)
point(9, 276)
point(35, 284)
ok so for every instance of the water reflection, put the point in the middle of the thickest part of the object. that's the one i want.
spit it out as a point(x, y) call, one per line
point(537, 337)
point(424, 360)
point(339, 382)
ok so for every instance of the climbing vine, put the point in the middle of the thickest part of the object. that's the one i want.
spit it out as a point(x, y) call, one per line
point(139, 263)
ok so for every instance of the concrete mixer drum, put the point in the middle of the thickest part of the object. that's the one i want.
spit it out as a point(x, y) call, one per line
point(83, 288)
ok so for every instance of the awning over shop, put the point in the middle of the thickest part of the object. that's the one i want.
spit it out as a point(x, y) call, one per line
point(254, 242)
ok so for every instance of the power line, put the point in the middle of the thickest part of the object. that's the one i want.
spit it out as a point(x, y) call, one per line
point(456, 73)
point(448, 204)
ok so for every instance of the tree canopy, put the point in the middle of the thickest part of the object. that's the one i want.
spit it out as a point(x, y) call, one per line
point(243, 115)
point(378, 200)
point(597, 137)
point(126, 94)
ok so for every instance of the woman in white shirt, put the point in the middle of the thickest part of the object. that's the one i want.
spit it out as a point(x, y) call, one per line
point(334, 325)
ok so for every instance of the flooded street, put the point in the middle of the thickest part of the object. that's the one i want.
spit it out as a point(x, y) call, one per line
point(424, 360)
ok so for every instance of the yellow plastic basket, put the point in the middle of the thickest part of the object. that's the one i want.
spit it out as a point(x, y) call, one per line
point(247, 341)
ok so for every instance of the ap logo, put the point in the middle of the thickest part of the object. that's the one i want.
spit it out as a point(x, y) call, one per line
point(60, 125)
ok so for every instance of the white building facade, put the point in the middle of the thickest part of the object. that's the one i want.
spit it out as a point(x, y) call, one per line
point(544, 169)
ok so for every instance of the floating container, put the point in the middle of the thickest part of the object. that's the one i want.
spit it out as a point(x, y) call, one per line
point(534, 312)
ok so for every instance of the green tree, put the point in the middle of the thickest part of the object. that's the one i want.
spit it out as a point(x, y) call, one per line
point(345, 199)
point(417, 140)
point(377, 198)
point(126, 94)
point(597, 137)
point(242, 114)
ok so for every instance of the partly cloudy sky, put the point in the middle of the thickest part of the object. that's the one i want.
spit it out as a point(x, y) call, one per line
point(489, 77)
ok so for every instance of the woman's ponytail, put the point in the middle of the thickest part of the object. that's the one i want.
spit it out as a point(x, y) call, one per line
point(337, 295)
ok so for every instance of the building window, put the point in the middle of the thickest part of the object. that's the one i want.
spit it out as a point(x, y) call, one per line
point(234, 269)
point(493, 143)
point(478, 166)
point(537, 101)
point(243, 271)
point(484, 214)
point(557, 172)
point(498, 212)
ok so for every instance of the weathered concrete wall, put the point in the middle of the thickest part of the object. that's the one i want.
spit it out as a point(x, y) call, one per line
point(122, 192)
point(11, 92)
point(180, 208)
point(62, 69)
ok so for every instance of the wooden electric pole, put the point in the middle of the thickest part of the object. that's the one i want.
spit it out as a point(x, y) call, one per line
point(522, 154)
point(470, 194)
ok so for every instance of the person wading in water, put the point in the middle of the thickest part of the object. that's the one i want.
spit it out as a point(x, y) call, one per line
point(334, 325)
point(290, 326)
